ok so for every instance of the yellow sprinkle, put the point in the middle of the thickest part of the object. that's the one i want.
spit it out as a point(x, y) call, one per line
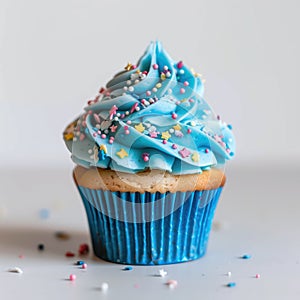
point(68, 136)
point(165, 135)
point(195, 157)
point(177, 127)
point(122, 153)
point(195, 73)
point(158, 85)
point(163, 76)
point(128, 67)
point(139, 127)
point(103, 147)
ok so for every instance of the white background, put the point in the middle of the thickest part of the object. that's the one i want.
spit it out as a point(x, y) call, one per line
point(54, 55)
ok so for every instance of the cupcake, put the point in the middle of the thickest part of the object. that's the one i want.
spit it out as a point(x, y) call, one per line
point(149, 155)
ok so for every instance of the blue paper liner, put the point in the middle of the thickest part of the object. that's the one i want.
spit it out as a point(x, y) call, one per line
point(130, 228)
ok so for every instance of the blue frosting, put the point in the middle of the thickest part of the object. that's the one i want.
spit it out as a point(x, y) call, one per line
point(151, 116)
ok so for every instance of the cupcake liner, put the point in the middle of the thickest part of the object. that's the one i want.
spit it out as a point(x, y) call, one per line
point(149, 228)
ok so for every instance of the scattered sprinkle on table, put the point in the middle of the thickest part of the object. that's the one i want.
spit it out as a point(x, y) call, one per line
point(128, 268)
point(80, 262)
point(104, 287)
point(69, 254)
point(231, 284)
point(228, 274)
point(41, 247)
point(44, 213)
point(83, 249)
point(84, 266)
point(257, 275)
point(72, 277)
point(172, 283)
point(162, 273)
point(62, 235)
point(246, 256)
point(16, 270)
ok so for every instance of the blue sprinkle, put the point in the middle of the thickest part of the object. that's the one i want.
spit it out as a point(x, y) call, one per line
point(44, 213)
point(79, 262)
point(127, 268)
point(231, 284)
point(229, 126)
point(246, 256)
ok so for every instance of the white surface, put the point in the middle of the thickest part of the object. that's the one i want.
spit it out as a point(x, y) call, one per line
point(258, 214)
point(56, 54)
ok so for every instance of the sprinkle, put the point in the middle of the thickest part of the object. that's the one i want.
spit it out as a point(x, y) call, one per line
point(229, 126)
point(44, 213)
point(163, 76)
point(231, 284)
point(113, 128)
point(184, 153)
point(171, 130)
point(158, 85)
point(62, 235)
point(186, 83)
point(166, 68)
point(125, 88)
point(104, 287)
point(257, 275)
point(172, 283)
point(122, 153)
point(182, 91)
point(189, 130)
point(153, 134)
point(162, 273)
point(195, 157)
point(206, 150)
point(68, 136)
point(113, 111)
point(168, 74)
point(165, 135)
point(177, 127)
point(246, 256)
point(41, 247)
point(72, 277)
point(134, 106)
point(21, 256)
point(139, 127)
point(174, 116)
point(137, 109)
point(154, 90)
point(229, 274)
point(181, 71)
point(84, 248)
point(128, 66)
point(179, 64)
point(155, 66)
point(97, 119)
point(79, 262)
point(16, 270)
point(69, 254)
point(193, 123)
point(128, 268)
point(84, 266)
point(127, 131)
point(81, 137)
point(131, 89)
point(164, 141)
point(148, 93)
point(128, 122)
point(178, 133)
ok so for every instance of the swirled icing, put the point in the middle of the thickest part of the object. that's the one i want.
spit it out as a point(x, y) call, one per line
point(152, 115)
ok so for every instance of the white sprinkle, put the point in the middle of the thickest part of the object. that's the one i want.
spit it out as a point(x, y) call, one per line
point(143, 76)
point(181, 71)
point(125, 88)
point(104, 287)
point(229, 274)
point(116, 118)
point(127, 113)
point(106, 131)
point(74, 139)
point(131, 89)
point(169, 91)
point(136, 81)
point(137, 108)
point(15, 270)
point(77, 133)
point(171, 130)
point(92, 157)
point(151, 100)
point(168, 74)
point(90, 151)
point(98, 126)
point(128, 82)
point(154, 90)
point(162, 273)
point(193, 123)
point(118, 114)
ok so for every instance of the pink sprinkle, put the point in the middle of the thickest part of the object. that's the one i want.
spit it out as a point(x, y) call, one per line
point(127, 131)
point(126, 127)
point(128, 122)
point(257, 276)
point(111, 141)
point(90, 112)
point(134, 106)
point(122, 116)
point(155, 66)
point(97, 119)
point(145, 72)
point(148, 93)
point(189, 130)
point(185, 83)
point(164, 141)
point(174, 116)
point(84, 266)
point(172, 283)
point(21, 256)
point(206, 150)
point(174, 146)
point(81, 137)
point(182, 91)
point(72, 277)
point(112, 138)
point(191, 100)
point(103, 136)
point(146, 158)
point(133, 67)
point(143, 101)
point(83, 123)
point(180, 65)
point(94, 134)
